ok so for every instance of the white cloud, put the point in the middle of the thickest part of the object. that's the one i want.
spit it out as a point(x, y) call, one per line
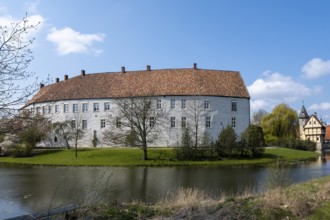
point(316, 68)
point(323, 106)
point(69, 41)
point(274, 88)
point(35, 20)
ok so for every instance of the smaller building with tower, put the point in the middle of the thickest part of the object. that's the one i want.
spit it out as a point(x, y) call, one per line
point(311, 128)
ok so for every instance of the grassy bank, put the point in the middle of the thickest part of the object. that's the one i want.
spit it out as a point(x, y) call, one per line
point(310, 200)
point(158, 157)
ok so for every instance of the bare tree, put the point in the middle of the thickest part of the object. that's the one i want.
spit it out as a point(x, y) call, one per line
point(15, 57)
point(78, 127)
point(195, 112)
point(64, 130)
point(257, 116)
point(135, 122)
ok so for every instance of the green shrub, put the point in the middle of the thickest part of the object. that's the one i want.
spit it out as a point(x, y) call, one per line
point(295, 144)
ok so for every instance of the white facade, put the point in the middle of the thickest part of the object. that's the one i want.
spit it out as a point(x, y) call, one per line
point(215, 114)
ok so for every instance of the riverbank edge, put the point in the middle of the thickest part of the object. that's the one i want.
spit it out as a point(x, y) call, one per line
point(130, 157)
point(308, 200)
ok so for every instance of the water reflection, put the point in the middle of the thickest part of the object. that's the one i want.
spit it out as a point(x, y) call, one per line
point(27, 189)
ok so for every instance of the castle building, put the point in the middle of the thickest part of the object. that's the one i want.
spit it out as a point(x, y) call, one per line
point(311, 127)
point(223, 94)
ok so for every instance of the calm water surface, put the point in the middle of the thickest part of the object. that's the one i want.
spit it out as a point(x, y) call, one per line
point(30, 189)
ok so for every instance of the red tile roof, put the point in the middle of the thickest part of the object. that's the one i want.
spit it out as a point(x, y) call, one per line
point(166, 82)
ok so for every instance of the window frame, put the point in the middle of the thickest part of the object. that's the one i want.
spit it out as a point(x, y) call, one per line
point(84, 107)
point(208, 121)
point(207, 105)
point(159, 104)
point(106, 106)
point(172, 122)
point(96, 107)
point(172, 103)
point(118, 122)
point(102, 123)
point(84, 124)
point(183, 103)
point(65, 108)
point(234, 105)
point(233, 122)
point(75, 107)
point(183, 122)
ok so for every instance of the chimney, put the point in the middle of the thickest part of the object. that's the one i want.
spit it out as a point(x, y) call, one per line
point(66, 77)
point(123, 69)
point(42, 85)
point(148, 68)
point(82, 73)
point(195, 66)
point(57, 80)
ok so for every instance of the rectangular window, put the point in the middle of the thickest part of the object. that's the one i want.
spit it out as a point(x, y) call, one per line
point(183, 122)
point(75, 108)
point(172, 103)
point(152, 121)
point(107, 106)
point(206, 104)
point(233, 122)
point(73, 124)
point(102, 123)
point(44, 110)
point(57, 108)
point(234, 106)
point(38, 110)
point(172, 122)
point(96, 107)
point(85, 107)
point(183, 103)
point(65, 108)
point(208, 122)
point(49, 109)
point(118, 122)
point(84, 124)
point(159, 104)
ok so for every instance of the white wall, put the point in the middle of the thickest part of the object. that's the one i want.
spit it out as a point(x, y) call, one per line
point(220, 112)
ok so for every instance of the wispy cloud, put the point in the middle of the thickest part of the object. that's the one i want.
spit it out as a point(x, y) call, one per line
point(69, 41)
point(316, 68)
point(274, 88)
point(323, 106)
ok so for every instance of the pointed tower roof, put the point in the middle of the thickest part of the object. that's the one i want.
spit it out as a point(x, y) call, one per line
point(303, 113)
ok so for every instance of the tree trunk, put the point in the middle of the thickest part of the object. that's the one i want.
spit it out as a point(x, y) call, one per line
point(76, 149)
point(145, 152)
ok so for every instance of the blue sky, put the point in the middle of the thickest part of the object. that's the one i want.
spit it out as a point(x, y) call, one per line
point(281, 48)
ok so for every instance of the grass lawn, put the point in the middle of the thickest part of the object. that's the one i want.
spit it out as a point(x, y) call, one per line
point(158, 157)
